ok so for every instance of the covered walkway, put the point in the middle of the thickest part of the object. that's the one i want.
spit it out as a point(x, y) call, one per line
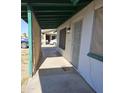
point(79, 39)
point(57, 75)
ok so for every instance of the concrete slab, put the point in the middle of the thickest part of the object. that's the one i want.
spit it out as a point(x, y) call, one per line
point(57, 75)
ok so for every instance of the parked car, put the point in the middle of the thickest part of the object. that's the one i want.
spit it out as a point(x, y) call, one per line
point(53, 42)
point(24, 43)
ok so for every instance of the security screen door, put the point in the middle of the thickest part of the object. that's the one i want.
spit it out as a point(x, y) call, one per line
point(76, 36)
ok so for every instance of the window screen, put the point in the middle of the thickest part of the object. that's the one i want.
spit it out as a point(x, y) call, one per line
point(97, 33)
point(62, 38)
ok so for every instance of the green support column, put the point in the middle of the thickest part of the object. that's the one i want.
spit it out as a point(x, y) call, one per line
point(30, 41)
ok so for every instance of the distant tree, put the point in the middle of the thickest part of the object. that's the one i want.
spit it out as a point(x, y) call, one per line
point(24, 35)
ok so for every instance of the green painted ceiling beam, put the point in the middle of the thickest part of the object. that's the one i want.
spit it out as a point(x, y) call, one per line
point(50, 20)
point(48, 16)
point(48, 23)
point(47, 4)
point(55, 13)
point(50, 7)
point(52, 17)
point(51, 11)
point(49, 26)
point(46, 1)
point(53, 8)
point(51, 23)
point(74, 2)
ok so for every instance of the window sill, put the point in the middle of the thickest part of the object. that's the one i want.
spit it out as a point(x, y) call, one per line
point(95, 56)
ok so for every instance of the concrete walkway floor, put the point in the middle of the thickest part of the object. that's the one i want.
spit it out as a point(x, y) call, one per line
point(57, 75)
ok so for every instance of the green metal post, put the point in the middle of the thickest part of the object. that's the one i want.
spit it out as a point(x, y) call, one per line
point(30, 41)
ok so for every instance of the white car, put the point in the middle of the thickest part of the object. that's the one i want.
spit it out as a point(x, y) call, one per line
point(53, 42)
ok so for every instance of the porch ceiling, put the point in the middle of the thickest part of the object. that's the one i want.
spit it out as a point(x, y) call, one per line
point(52, 13)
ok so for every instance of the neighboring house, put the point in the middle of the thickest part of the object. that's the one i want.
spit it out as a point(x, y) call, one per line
point(49, 37)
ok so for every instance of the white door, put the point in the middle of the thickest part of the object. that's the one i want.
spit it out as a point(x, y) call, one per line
point(76, 37)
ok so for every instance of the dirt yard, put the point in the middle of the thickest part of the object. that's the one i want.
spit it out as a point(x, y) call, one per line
point(24, 69)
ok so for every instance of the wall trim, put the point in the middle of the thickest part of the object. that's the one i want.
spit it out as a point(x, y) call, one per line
point(95, 56)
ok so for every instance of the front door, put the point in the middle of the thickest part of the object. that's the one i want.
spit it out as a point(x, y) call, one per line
point(76, 37)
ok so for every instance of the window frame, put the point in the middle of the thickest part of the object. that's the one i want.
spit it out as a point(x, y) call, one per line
point(62, 41)
point(91, 54)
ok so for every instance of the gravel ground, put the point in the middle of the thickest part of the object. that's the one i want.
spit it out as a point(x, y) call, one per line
point(24, 69)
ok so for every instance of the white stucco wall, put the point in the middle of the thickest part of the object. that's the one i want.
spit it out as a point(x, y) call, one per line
point(67, 52)
point(91, 69)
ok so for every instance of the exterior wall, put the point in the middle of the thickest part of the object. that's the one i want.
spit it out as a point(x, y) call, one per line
point(91, 69)
point(67, 52)
point(76, 43)
point(36, 42)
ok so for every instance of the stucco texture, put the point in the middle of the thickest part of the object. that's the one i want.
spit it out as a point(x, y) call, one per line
point(89, 68)
point(36, 42)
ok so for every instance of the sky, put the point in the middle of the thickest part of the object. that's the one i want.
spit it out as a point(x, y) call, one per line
point(24, 27)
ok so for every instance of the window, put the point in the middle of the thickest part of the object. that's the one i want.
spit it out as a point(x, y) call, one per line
point(62, 38)
point(96, 48)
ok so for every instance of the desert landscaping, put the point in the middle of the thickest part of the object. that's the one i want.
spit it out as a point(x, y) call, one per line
point(24, 69)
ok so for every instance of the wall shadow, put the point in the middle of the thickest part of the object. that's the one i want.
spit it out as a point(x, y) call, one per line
point(50, 52)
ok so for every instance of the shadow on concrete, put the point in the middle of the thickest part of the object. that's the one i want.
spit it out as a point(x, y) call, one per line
point(59, 78)
point(47, 52)
point(62, 80)
point(50, 52)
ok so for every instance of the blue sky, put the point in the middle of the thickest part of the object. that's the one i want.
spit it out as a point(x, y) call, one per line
point(24, 27)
